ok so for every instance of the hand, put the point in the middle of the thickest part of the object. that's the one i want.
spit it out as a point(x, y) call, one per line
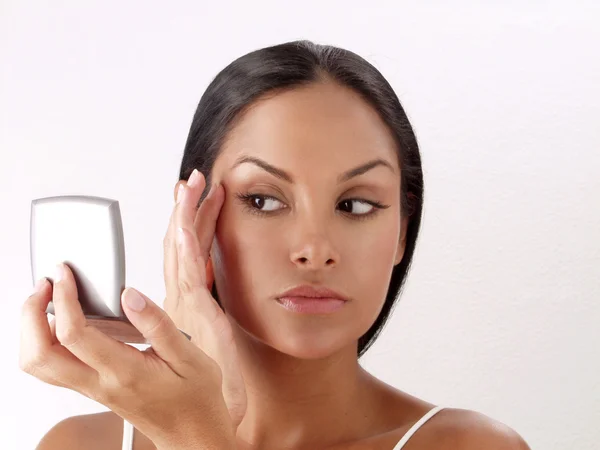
point(188, 296)
point(157, 390)
point(170, 391)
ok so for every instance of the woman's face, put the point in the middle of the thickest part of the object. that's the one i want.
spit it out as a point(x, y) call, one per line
point(315, 229)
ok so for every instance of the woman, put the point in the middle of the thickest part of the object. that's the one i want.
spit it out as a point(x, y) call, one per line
point(318, 186)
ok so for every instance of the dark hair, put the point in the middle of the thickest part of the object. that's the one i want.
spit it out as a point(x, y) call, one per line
point(283, 67)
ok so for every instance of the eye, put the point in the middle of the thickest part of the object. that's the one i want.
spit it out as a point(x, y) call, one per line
point(254, 203)
point(366, 208)
point(363, 208)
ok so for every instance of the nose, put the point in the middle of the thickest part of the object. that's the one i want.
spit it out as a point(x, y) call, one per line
point(314, 248)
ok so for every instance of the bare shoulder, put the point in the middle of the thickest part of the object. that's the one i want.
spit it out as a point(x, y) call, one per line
point(478, 430)
point(456, 428)
point(99, 431)
point(447, 429)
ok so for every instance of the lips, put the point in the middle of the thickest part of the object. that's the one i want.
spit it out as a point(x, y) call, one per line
point(312, 300)
point(315, 292)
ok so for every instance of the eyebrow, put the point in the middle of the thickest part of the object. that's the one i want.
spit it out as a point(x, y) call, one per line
point(282, 174)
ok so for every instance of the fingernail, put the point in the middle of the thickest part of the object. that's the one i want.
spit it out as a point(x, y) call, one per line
point(39, 285)
point(134, 300)
point(194, 178)
point(58, 273)
point(180, 193)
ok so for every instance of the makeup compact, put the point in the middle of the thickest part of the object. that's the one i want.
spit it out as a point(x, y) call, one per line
point(85, 233)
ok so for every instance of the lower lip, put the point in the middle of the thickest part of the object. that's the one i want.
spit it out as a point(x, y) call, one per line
point(309, 305)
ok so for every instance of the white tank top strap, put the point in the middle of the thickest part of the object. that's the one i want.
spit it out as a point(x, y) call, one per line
point(416, 426)
point(127, 436)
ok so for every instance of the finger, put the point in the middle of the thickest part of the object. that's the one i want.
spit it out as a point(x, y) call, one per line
point(211, 326)
point(170, 262)
point(205, 226)
point(35, 319)
point(189, 200)
point(90, 345)
point(40, 353)
point(187, 209)
point(206, 219)
point(192, 280)
point(170, 249)
point(52, 325)
point(162, 334)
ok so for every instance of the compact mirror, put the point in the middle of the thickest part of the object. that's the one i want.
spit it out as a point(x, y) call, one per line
point(86, 233)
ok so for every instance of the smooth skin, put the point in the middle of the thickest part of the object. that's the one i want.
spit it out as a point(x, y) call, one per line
point(304, 387)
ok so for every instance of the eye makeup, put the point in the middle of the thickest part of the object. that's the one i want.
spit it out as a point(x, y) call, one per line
point(248, 201)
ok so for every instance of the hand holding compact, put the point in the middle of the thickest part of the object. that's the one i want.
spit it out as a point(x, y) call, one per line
point(179, 393)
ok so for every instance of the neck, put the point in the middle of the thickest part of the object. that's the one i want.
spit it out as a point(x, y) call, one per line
point(296, 402)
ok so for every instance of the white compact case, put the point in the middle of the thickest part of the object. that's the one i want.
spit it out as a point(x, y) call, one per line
point(86, 233)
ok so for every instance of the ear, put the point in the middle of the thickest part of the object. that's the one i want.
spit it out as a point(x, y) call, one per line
point(401, 241)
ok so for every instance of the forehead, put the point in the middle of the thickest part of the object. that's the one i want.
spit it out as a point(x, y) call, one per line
point(320, 124)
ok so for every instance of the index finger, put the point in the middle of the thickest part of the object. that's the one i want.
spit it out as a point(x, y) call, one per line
point(170, 271)
point(206, 219)
point(188, 199)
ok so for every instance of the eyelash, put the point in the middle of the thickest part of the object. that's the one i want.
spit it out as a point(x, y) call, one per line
point(246, 197)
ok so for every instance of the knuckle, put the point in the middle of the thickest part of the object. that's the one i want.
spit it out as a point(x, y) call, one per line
point(159, 327)
point(68, 335)
point(190, 281)
point(185, 286)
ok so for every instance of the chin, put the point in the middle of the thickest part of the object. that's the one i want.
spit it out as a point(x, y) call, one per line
point(309, 345)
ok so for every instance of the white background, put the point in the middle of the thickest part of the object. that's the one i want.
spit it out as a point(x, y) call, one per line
point(501, 310)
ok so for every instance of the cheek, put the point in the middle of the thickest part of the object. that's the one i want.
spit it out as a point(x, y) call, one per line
point(248, 250)
point(370, 257)
point(252, 243)
point(249, 273)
